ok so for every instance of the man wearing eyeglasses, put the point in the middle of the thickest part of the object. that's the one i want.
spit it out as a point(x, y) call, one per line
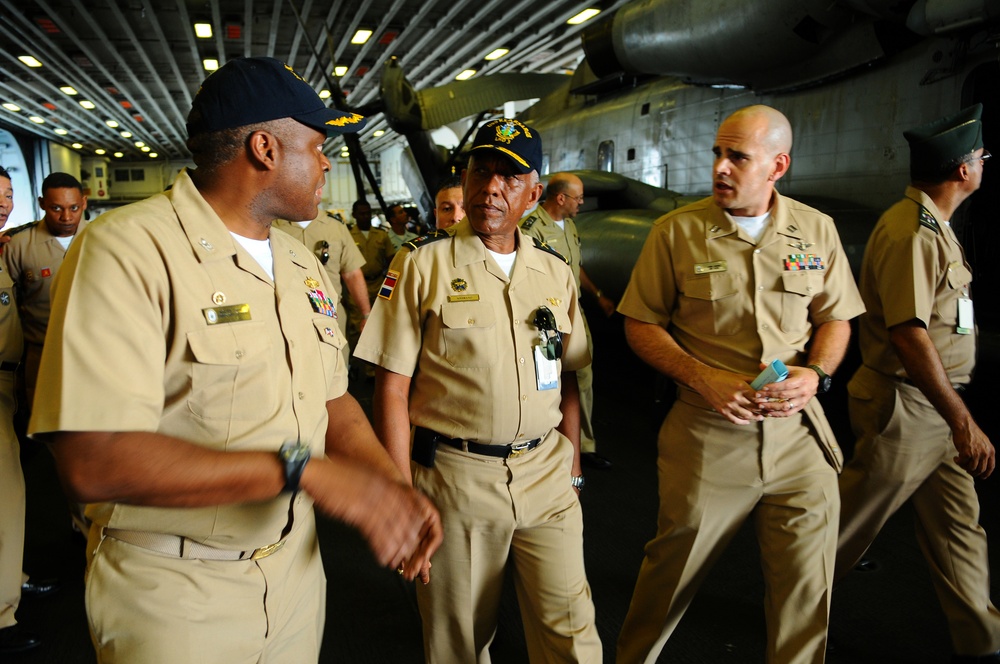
point(916, 439)
point(327, 236)
point(552, 223)
point(477, 333)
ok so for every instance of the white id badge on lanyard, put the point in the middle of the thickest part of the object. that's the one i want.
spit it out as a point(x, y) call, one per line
point(546, 370)
point(966, 322)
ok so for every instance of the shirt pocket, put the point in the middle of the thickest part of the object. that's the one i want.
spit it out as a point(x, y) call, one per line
point(232, 376)
point(798, 290)
point(709, 306)
point(331, 345)
point(469, 333)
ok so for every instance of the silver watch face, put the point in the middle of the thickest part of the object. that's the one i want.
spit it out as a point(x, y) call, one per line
point(578, 482)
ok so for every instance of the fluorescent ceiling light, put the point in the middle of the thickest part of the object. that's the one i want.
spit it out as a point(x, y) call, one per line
point(87, 104)
point(100, 151)
point(497, 53)
point(203, 30)
point(60, 131)
point(153, 155)
point(77, 146)
point(465, 75)
point(119, 154)
point(36, 119)
point(378, 132)
point(361, 36)
point(145, 148)
point(210, 64)
point(111, 123)
point(324, 94)
point(126, 134)
point(584, 16)
point(69, 89)
point(13, 108)
point(340, 70)
point(29, 60)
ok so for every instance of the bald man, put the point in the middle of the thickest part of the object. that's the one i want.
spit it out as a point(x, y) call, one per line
point(552, 223)
point(723, 286)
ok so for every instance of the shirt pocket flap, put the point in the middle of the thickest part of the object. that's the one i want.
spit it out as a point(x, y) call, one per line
point(231, 345)
point(463, 315)
point(959, 276)
point(806, 283)
point(328, 332)
point(710, 286)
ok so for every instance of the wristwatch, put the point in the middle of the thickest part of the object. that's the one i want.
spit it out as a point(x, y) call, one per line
point(577, 482)
point(825, 381)
point(294, 456)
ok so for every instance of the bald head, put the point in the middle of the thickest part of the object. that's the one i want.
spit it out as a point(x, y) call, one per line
point(769, 125)
point(563, 196)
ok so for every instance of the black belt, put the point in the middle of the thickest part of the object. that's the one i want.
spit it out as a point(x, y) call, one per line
point(501, 451)
point(8, 366)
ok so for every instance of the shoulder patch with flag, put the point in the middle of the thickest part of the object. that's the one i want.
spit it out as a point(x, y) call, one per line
point(391, 277)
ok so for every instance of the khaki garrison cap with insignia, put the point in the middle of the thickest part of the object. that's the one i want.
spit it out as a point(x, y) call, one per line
point(945, 141)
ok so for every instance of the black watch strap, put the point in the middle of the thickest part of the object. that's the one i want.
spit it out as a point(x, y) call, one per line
point(825, 381)
point(294, 456)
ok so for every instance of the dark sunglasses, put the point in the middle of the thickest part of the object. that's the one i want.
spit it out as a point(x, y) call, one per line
point(323, 251)
point(545, 321)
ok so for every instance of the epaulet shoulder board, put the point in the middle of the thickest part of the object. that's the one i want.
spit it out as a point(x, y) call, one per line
point(335, 217)
point(424, 240)
point(544, 247)
point(927, 220)
point(529, 222)
point(20, 229)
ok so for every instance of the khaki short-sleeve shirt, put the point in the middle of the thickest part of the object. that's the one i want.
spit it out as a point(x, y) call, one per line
point(451, 319)
point(344, 254)
point(915, 268)
point(11, 336)
point(33, 257)
point(732, 302)
point(377, 250)
point(163, 323)
point(539, 224)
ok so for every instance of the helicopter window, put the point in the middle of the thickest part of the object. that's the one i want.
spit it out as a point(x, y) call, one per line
point(631, 154)
point(645, 109)
point(606, 156)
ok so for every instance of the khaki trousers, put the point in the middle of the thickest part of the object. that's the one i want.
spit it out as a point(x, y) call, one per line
point(712, 476)
point(904, 451)
point(494, 511)
point(11, 506)
point(148, 608)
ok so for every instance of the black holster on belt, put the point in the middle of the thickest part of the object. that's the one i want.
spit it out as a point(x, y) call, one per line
point(424, 447)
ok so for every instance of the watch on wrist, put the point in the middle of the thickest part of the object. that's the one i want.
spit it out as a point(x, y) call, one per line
point(577, 482)
point(825, 381)
point(294, 456)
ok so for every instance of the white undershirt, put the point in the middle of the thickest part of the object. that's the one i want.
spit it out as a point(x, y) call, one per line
point(65, 241)
point(260, 250)
point(302, 224)
point(561, 223)
point(754, 225)
point(505, 261)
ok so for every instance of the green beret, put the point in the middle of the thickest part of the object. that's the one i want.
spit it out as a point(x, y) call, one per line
point(947, 140)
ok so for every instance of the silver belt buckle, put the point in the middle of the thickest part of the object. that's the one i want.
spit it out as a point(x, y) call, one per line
point(518, 449)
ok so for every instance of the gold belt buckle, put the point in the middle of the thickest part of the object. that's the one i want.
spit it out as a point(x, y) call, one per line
point(518, 450)
point(265, 551)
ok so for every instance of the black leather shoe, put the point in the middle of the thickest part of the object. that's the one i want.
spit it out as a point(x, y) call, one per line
point(39, 588)
point(976, 659)
point(16, 639)
point(595, 460)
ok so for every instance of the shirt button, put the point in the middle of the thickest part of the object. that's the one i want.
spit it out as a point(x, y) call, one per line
point(517, 322)
point(760, 288)
point(239, 355)
point(302, 395)
point(524, 397)
point(521, 360)
point(472, 321)
point(291, 344)
point(764, 326)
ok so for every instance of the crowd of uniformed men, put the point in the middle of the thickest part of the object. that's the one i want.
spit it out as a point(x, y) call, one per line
point(205, 443)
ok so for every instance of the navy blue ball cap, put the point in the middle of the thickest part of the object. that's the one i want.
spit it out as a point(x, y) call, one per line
point(246, 91)
point(519, 142)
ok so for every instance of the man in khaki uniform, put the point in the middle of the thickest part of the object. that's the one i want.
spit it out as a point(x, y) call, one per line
point(476, 335)
point(398, 232)
point(332, 243)
point(552, 223)
point(723, 286)
point(204, 440)
point(916, 438)
point(33, 257)
point(378, 250)
point(12, 504)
